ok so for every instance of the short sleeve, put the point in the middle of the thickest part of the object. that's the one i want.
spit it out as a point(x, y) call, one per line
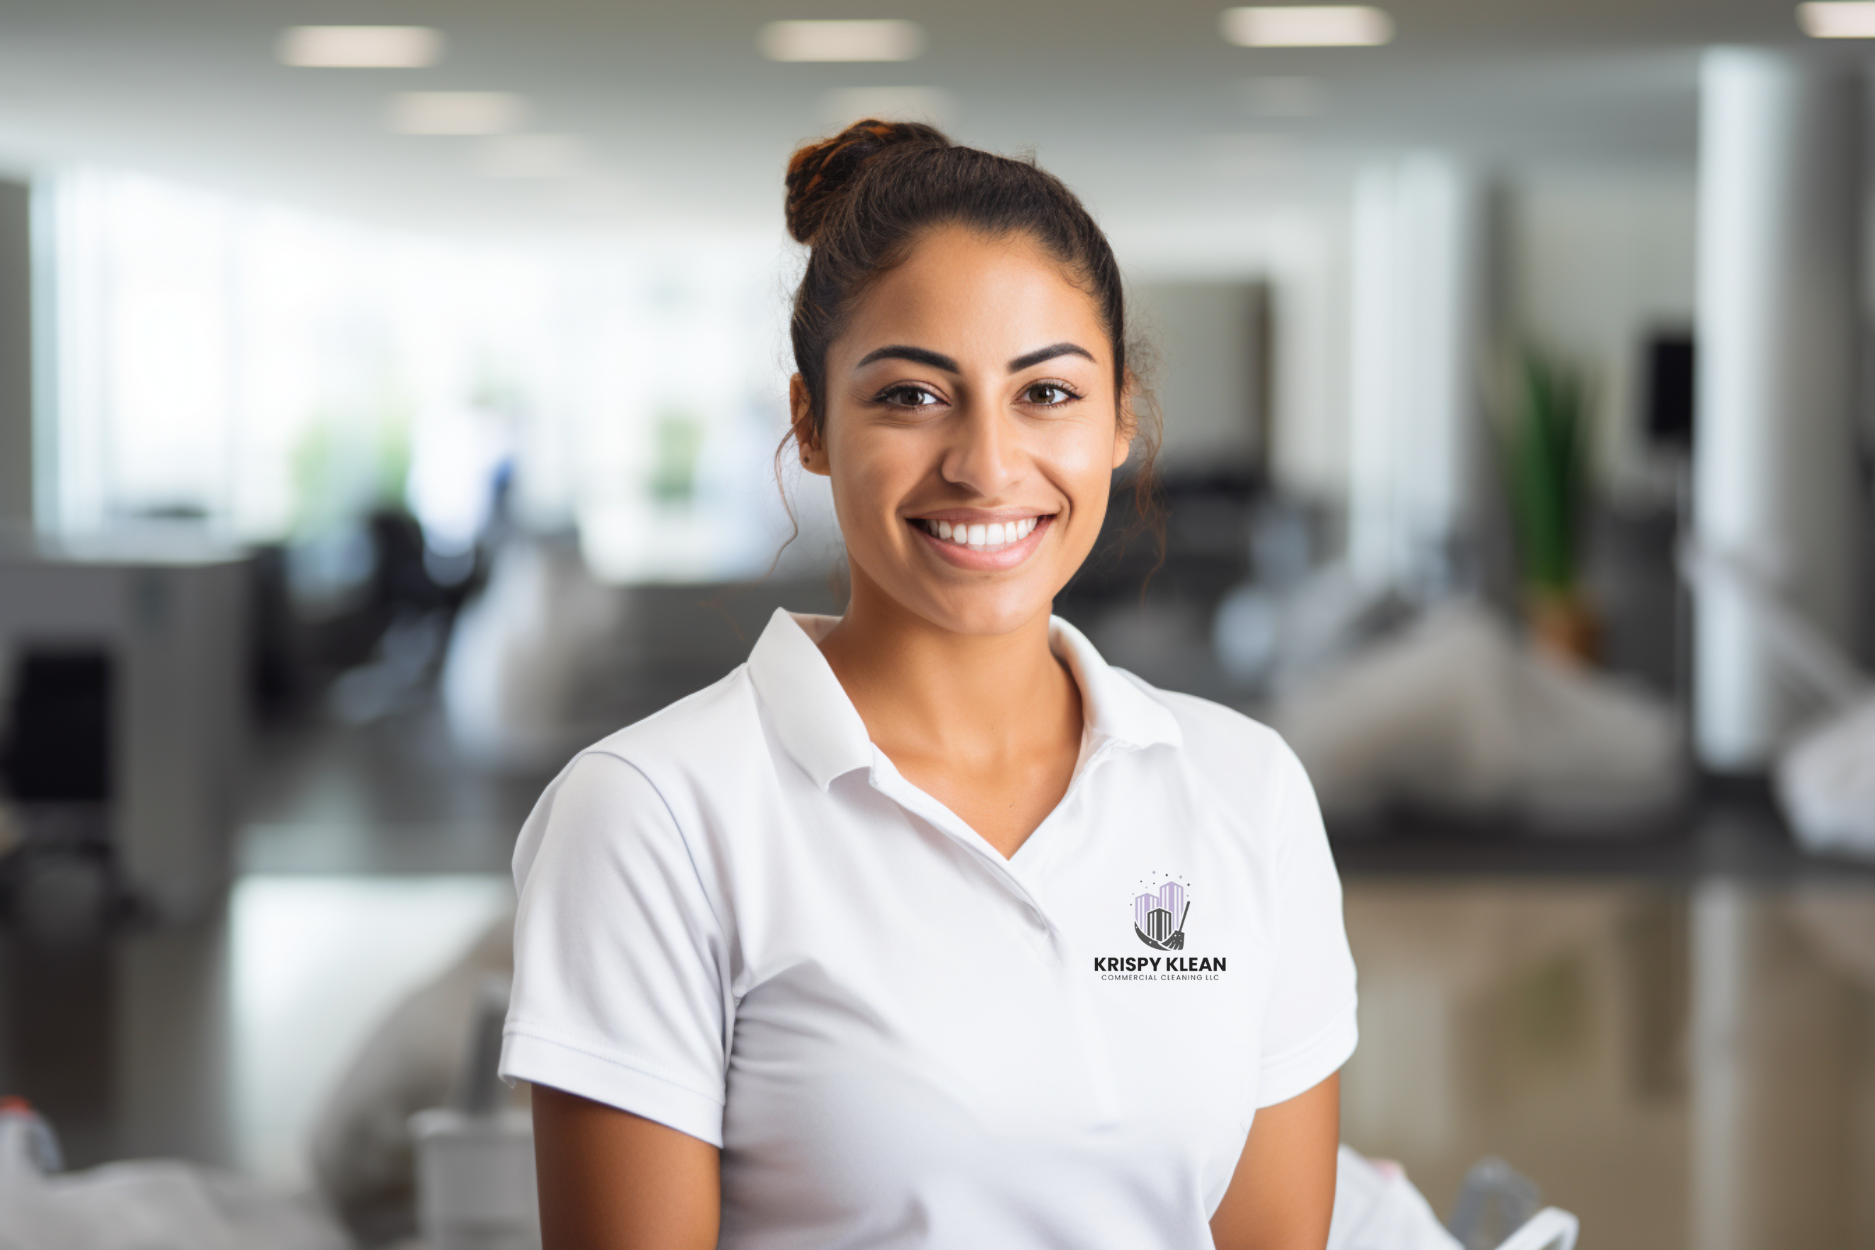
point(1309, 1023)
point(619, 961)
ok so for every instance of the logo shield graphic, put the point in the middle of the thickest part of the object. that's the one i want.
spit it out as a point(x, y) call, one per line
point(1159, 919)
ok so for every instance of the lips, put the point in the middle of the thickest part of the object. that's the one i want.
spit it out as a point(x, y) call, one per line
point(970, 543)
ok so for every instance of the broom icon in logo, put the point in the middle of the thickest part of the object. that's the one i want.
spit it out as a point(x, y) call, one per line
point(1159, 919)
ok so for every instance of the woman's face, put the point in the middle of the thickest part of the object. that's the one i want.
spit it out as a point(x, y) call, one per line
point(971, 431)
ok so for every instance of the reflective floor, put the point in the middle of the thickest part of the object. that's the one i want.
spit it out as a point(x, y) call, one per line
point(1682, 1060)
point(1680, 1066)
point(220, 1041)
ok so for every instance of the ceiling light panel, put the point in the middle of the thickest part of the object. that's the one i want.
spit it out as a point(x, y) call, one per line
point(1306, 26)
point(359, 47)
point(1837, 19)
point(456, 112)
point(842, 41)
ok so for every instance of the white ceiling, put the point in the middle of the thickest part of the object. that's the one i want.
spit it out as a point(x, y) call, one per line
point(1140, 105)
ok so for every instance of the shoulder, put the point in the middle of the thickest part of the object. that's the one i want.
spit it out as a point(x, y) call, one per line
point(703, 733)
point(1233, 752)
point(1212, 729)
point(642, 781)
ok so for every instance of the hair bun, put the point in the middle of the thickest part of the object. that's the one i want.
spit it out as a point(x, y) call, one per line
point(820, 173)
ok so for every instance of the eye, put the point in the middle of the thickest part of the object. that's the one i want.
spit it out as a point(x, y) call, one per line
point(906, 395)
point(1047, 394)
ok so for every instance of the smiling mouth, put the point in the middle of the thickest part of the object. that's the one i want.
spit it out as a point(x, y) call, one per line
point(980, 537)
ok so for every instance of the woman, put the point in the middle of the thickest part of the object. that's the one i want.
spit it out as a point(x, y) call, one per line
point(925, 927)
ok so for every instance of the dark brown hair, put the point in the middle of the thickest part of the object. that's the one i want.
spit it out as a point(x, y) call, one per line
point(862, 199)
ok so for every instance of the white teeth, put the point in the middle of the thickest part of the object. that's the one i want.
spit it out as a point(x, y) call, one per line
point(986, 536)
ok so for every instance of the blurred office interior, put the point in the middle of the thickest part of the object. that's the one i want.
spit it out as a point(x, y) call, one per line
point(387, 411)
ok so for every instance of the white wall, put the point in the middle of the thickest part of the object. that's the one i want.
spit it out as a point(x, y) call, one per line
point(1591, 262)
point(1210, 372)
point(1586, 262)
point(1300, 250)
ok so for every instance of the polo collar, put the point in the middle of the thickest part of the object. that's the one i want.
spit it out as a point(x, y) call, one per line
point(1112, 702)
point(818, 724)
point(823, 732)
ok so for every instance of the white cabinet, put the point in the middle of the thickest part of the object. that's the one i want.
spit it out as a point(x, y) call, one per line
point(172, 620)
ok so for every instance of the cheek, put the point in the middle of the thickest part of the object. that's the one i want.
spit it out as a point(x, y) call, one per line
point(870, 474)
point(1081, 461)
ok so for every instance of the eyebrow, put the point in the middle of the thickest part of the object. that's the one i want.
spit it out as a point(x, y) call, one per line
point(937, 360)
point(917, 355)
point(1040, 354)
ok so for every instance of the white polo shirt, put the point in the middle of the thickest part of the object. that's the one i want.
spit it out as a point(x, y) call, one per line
point(738, 919)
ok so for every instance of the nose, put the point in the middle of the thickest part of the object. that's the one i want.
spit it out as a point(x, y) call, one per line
point(985, 455)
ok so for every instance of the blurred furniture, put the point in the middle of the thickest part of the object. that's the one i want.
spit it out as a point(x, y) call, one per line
point(475, 1158)
point(1454, 712)
point(130, 660)
point(154, 1204)
point(1552, 1228)
point(1501, 1209)
point(546, 659)
point(415, 1063)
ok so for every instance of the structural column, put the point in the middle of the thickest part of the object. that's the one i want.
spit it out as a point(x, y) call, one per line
point(16, 358)
point(1775, 489)
point(1419, 260)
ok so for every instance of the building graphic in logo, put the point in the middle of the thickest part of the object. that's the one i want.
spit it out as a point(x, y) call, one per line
point(1159, 919)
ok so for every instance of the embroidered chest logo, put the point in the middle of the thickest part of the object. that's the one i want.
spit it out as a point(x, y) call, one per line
point(1160, 909)
point(1159, 918)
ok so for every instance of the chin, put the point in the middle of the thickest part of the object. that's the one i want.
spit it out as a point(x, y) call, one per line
point(988, 616)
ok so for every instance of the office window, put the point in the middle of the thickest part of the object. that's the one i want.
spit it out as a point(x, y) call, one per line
point(269, 374)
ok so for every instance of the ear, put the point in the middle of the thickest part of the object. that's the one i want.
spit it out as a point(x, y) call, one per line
point(806, 438)
point(1128, 423)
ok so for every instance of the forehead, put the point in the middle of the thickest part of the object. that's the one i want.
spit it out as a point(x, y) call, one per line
point(960, 289)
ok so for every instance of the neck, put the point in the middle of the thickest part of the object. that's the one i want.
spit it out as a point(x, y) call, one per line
point(925, 691)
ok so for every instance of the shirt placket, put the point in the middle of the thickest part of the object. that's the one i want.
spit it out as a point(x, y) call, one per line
point(1089, 1039)
point(887, 780)
point(1085, 1023)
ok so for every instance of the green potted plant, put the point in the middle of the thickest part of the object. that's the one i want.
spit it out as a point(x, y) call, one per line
point(1544, 443)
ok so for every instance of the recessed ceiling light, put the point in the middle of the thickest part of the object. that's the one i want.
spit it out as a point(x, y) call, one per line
point(359, 47)
point(846, 105)
point(1837, 19)
point(533, 156)
point(456, 112)
point(842, 41)
point(1306, 26)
